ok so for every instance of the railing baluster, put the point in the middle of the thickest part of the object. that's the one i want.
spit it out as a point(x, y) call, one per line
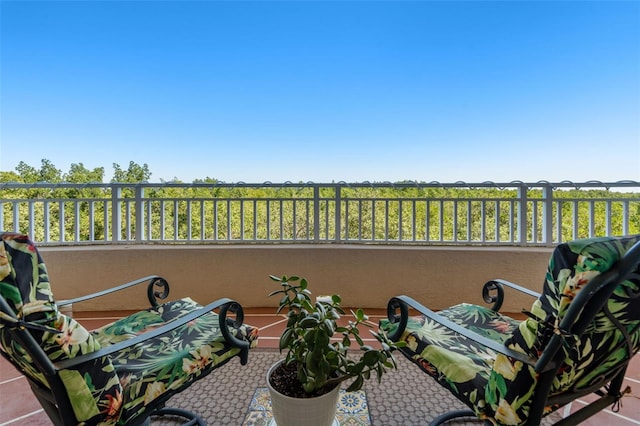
point(281, 236)
point(625, 218)
point(468, 221)
point(608, 217)
point(483, 221)
point(427, 221)
point(149, 220)
point(116, 216)
point(359, 219)
point(558, 223)
point(106, 220)
point(522, 216)
point(547, 214)
point(400, 220)
point(139, 209)
point(189, 220)
point(592, 226)
point(163, 223)
point(316, 213)
point(268, 225)
point(176, 223)
point(46, 222)
point(32, 223)
point(61, 220)
point(127, 219)
point(498, 219)
point(575, 220)
point(534, 221)
point(347, 237)
point(373, 220)
point(229, 232)
point(386, 220)
point(413, 220)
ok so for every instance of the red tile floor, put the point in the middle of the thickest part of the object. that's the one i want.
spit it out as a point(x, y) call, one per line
point(19, 407)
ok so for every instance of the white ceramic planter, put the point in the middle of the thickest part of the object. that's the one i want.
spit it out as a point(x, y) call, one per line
point(317, 411)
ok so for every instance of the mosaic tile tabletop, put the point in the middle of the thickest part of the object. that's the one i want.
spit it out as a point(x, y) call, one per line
point(352, 410)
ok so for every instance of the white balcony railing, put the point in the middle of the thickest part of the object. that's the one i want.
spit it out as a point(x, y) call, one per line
point(515, 213)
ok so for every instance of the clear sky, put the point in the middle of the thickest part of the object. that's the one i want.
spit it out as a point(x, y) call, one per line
point(325, 91)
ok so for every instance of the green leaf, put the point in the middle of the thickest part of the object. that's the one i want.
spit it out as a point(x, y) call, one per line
point(310, 336)
point(273, 293)
point(285, 339)
point(322, 339)
point(356, 385)
point(309, 322)
point(371, 357)
point(328, 325)
point(360, 316)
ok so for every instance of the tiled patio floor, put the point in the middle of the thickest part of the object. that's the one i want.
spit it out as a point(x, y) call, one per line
point(19, 407)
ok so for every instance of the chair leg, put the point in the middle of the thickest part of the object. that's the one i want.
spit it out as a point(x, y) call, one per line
point(47, 404)
point(441, 419)
point(192, 418)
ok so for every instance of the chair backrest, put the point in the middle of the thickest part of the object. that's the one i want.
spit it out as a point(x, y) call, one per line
point(584, 328)
point(33, 334)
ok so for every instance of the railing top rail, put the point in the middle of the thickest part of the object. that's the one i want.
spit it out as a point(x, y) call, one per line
point(365, 184)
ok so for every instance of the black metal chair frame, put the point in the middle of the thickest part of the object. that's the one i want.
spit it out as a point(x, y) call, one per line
point(588, 303)
point(55, 400)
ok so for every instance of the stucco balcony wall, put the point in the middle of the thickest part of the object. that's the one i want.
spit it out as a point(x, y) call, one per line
point(364, 276)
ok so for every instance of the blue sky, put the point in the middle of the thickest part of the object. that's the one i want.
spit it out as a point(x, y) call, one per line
point(325, 91)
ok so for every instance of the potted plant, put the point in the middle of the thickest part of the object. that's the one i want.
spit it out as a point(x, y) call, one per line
point(316, 362)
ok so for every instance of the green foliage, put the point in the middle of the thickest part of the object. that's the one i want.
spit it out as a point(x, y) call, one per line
point(78, 173)
point(135, 173)
point(307, 339)
point(47, 172)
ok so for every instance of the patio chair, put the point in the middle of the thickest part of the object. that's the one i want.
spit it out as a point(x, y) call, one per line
point(577, 338)
point(121, 373)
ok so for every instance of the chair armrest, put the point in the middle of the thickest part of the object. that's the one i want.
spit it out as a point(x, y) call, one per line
point(497, 286)
point(516, 287)
point(225, 304)
point(402, 303)
point(153, 281)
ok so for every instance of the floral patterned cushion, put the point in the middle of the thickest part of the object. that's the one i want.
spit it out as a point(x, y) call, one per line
point(113, 389)
point(171, 361)
point(457, 363)
point(498, 388)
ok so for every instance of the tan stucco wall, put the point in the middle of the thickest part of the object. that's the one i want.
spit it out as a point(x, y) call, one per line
point(364, 276)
